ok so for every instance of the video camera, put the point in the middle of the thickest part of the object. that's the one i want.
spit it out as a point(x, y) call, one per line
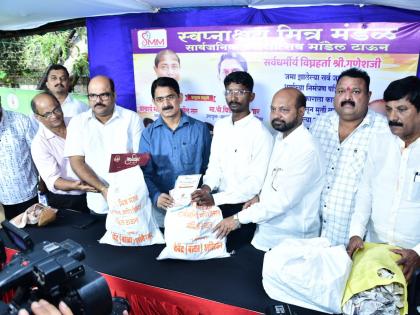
point(54, 272)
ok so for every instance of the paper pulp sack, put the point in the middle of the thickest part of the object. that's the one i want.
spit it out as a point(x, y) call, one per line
point(189, 236)
point(130, 221)
point(307, 273)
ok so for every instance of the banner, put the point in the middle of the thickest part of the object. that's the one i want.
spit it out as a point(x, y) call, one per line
point(308, 57)
point(19, 100)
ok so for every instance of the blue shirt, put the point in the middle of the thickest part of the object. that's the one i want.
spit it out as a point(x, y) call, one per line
point(183, 151)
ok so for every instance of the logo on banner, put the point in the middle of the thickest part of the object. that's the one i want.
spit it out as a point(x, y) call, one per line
point(13, 101)
point(151, 39)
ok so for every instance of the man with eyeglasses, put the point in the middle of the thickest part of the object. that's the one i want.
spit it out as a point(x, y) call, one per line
point(240, 152)
point(94, 135)
point(344, 135)
point(178, 145)
point(66, 190)
point(288, 204)
point(18, 175)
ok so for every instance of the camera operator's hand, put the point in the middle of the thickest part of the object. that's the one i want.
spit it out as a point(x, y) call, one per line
point(42, 307)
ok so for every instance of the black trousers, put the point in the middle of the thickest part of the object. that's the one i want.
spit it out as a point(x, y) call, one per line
point(242, 236)
point(11, 211)
point(73, 202)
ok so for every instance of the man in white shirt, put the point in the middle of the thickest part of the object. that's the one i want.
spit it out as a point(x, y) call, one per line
point(57, 81)
point(344, 135)
point(18, 175)
point(239, 156)
point(289, 201)
point(66, 190)
point(94, 135)
point(388, 200)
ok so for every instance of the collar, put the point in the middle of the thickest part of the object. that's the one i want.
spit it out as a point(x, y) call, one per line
point(6, 117)
point(48, 134)
point(68, 99)
point(368, 120)
point(117, 113)
point(183, 121)
point(242, 122)
point(294, 136)
point(3, 116)
point(401, 143)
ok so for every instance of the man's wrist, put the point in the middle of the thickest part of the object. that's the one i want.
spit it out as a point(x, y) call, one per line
point(102, 188)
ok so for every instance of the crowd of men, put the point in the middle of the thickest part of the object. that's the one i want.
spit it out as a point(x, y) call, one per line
point(353, 176)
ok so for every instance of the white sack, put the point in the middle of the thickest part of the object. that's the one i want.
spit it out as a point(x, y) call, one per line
point(189, 236)
point(307, 273)
point(130, 221)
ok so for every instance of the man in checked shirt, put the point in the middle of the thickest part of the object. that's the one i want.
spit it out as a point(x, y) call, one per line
point(344, 135)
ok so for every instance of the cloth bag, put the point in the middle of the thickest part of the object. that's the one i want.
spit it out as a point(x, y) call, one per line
point(367, 263)
point(35, 214)
point(307, 273)
point(189, 236)
point(130, 221)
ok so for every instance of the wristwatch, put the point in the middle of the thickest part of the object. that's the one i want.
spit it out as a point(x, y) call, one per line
point(236, 218)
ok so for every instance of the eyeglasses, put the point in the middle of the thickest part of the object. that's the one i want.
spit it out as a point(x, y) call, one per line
point(103, 96)
point(161, 99)
point(236, 92)
point(56, 111)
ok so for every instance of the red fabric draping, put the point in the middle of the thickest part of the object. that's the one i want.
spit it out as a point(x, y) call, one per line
point(149, 300)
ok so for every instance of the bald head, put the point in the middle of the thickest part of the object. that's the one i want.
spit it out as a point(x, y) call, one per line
point(287, 110)
point(47, 110)
point(102, 80)
point(43, 98)
point(292, 95)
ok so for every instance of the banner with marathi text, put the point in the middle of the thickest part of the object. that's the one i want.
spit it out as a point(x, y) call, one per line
point(305, 56)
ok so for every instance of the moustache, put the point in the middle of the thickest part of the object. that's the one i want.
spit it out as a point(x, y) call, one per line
point(233, 103)
point(276, 122)
point(395, 123)
point(348, 102)
point(167, 107)
point(59, 84)
point(99, 104)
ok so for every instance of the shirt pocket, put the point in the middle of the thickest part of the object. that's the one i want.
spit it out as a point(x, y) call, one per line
point(278, 178)
point(356, 163)
point(413, 185)
point(188, 153)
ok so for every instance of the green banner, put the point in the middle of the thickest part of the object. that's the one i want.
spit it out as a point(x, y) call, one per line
point(19, 100)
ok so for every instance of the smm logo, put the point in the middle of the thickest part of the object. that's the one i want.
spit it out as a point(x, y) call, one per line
point(151, 39)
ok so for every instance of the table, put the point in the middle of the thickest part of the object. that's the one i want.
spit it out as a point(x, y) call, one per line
point(220, 286)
